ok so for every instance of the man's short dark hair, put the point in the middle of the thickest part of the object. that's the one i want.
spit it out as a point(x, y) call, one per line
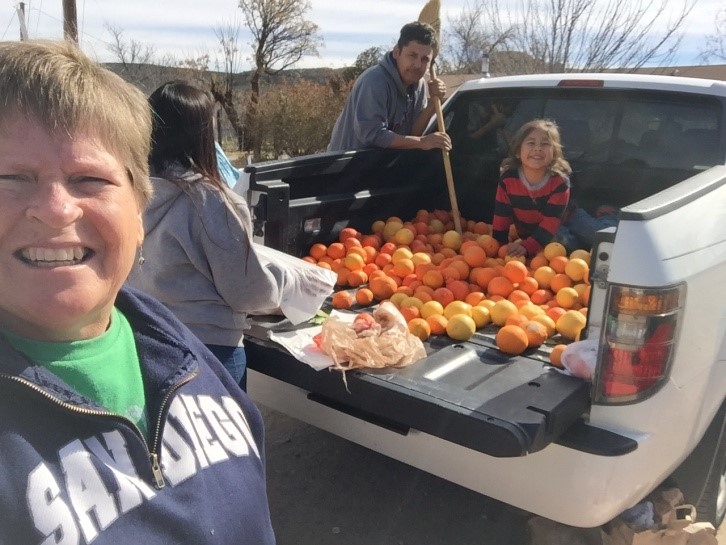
point(423, 33)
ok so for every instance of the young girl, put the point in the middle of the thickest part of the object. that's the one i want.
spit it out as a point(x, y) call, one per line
point(534, 189)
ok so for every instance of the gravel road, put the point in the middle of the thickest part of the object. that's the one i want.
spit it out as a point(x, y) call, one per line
point(324, 490)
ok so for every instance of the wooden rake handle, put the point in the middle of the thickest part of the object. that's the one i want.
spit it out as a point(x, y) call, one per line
point(447, 160)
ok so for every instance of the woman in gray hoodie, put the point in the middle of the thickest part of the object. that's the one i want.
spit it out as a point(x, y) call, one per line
point(198, 254)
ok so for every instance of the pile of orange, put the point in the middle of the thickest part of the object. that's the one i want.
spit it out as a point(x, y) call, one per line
point(457, 283)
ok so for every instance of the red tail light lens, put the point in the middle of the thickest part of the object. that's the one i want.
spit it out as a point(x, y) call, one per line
point(637, 341)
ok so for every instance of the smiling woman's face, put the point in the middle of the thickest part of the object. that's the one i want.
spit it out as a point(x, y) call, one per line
point(70, 226)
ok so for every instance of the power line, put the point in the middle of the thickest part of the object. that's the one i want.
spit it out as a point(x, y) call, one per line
point(12, 18)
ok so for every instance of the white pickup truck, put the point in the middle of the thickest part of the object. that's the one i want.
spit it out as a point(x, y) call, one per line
point(510, 427)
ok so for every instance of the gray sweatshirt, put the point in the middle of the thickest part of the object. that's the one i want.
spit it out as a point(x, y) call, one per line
point(199, 260)
point(379, 105)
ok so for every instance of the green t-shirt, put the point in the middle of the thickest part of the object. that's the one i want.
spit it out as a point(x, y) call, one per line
point(105, 369)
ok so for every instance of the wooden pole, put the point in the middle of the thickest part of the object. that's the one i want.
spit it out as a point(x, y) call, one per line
point(447, 161)
point(21, 18)
point(70, 21)
point(430, 14)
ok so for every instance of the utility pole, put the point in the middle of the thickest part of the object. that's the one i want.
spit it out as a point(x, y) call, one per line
point(70, 21)
point(20, 8)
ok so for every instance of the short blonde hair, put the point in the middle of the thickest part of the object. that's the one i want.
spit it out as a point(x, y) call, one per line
point(559, 163)
point(63, 90)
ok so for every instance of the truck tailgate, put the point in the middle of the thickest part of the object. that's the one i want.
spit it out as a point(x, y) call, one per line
point(467, 393)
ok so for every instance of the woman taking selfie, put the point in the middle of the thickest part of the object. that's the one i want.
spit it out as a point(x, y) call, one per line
point(117, 425)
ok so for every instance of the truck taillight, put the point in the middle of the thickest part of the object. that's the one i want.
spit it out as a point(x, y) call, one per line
point(637, 341)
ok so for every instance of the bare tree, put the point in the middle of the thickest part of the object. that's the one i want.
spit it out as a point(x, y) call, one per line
point(281, 36)
point(579, 35)
point(131, 54)
point(467, 40)
point(222, 83)
point(715, 47)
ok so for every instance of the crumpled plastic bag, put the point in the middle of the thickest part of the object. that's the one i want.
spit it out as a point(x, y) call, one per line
point(372, 341)
point(580, 357)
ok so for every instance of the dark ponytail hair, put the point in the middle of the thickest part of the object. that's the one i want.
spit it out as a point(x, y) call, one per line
point(183, 130)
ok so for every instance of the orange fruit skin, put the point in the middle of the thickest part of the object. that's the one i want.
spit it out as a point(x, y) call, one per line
point(336, 250)
point(536, 334)
point(437, 323)
point(512, 339)
point(559, 281)
point(348, 232)
point(364, 297)
point(556, 355)
point(500, 285)
point(318, 250)
point(515, 271)
point(342, 300)
point(558, 263)
point(383, 287)
point(357, 278)
point(420, 328)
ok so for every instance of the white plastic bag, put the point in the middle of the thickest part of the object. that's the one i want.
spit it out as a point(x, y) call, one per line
point(580, 357)
point(304, 286)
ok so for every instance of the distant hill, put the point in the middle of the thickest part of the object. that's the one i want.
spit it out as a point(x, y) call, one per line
point(149, 76)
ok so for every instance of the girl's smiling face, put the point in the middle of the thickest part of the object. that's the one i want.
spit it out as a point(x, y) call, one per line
point(70, 226)
point(536, 154)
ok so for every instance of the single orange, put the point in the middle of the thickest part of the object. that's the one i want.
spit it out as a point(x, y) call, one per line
point(536, 334)
point(538, 261)
point(318, 250)
point(541, 296)
point(342, 300)
point(517, 319)
point(357, 278)
point(443, 296)
point(518, 296)
point(348, 232)
point(500, 285)
point(336, 250)
point(364, 297)
point(459, 288)
point(437, 322)
point(556, 354)
point(382, 287)
point(420, 328)
point(474, 255)
point(515, 271)
point(559, 281)
point(511, 339)
point(529, 285)
point(559, 263)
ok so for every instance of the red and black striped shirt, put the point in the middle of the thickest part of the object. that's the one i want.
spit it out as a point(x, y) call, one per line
point(536, 213)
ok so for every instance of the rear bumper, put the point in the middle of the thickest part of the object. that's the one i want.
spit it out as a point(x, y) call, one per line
point(468, 394)
point(560, 483)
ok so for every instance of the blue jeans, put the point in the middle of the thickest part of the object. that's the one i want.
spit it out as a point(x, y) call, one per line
point(580, 228)
point(234, 360)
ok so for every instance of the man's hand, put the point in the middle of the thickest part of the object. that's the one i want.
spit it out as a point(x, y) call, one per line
point(437, 88)
point(434, 140)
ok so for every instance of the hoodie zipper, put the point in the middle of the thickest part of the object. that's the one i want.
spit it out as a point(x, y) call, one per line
point(153, 452)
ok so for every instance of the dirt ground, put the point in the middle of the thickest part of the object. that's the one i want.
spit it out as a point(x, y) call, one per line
point(324, 490)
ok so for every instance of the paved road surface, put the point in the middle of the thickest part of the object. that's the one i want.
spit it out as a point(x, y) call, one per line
point(324, 490)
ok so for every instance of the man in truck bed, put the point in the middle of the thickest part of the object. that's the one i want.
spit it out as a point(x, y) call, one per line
point(388, 106)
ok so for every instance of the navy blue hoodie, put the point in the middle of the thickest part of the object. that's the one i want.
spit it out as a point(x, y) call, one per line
point(72, 473)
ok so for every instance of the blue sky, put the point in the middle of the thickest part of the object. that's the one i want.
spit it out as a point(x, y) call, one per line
point(185, 28)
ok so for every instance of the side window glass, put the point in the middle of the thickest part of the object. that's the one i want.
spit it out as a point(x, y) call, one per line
point(672, 135)
point(586, 127)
